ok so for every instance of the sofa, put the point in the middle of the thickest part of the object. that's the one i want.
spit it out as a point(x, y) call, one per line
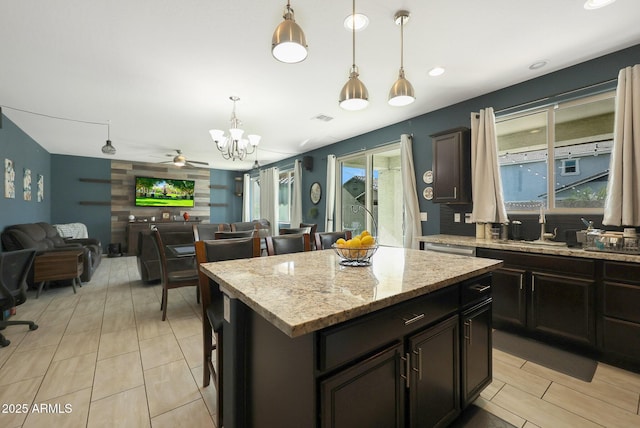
point(43, 237)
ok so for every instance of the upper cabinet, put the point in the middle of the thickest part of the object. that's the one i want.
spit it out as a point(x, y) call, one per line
point(452, 166)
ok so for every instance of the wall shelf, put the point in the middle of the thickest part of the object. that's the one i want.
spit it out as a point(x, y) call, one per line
point(96, 180)
point(107, 203)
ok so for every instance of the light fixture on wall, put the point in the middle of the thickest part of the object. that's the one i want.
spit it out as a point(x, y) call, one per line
point(234, 147)
point(354, 95)
point(401, 93)
point(108, 148)
point(289, 43)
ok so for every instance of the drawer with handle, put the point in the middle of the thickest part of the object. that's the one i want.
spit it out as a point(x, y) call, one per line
point(475, 290)
point(346, 342)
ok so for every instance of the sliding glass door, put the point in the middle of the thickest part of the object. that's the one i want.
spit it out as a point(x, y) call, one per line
point(370, 194)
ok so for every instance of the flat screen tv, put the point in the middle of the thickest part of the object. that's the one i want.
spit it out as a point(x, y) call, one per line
point(164, 192)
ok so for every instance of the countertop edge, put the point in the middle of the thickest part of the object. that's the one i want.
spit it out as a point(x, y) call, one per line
point(525, 247)
point(301, 329)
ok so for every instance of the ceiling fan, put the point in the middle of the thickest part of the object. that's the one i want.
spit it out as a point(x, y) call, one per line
point(180, 160)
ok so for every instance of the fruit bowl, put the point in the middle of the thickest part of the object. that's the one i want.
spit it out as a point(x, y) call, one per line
point(360, 256)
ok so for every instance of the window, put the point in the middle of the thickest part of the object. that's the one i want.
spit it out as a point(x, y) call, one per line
point(577, 135)
point(255, 198)
point(285, 193)
point(372, 180)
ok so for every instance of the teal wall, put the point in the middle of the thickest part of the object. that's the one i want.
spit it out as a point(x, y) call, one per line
point(25, 153)
point(230, 209)
point(579, 76)
point(69, 191)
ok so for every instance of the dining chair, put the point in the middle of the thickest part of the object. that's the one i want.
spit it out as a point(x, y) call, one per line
point(204, 231)
point(325, 239)
point(14, 269)
point(312, 232)
point(177, 271)
point(294, 230)
point(285, 244)
point(235, 234)
point(212, 305)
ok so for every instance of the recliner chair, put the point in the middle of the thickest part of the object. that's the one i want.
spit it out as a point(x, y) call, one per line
point(14, 268)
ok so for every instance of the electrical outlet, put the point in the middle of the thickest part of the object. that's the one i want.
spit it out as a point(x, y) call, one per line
point(456, 217)
point(467, 218)
point(423, 216)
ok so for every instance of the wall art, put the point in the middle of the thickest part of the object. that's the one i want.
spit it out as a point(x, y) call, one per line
point(26, 184)
point(9, 179)
point(40, 188)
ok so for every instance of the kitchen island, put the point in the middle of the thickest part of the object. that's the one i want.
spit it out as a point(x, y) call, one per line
point(311, 343)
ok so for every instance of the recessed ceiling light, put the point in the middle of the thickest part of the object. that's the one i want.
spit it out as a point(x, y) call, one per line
point(538, 64)
point(361, 22)
point(597, 4)
point(436, 71)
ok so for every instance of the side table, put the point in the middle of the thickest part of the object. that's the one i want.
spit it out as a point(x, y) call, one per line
point(55, 265)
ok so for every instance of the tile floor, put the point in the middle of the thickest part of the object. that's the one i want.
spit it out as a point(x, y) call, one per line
point(103, 358)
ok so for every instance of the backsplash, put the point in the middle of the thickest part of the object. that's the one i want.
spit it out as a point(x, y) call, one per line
point(530, 227)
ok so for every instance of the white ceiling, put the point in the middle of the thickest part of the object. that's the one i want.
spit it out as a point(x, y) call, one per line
point(161, 71)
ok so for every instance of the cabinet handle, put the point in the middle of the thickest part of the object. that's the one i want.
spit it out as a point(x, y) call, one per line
point(480, 288)
point(455, 192)
point(533, 283)
point(407, 368)
point(415, 318)
point(468, 327)
point(418, 352)
point(521, 278)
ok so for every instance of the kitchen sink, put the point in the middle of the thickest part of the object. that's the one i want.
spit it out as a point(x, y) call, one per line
point(547, 243)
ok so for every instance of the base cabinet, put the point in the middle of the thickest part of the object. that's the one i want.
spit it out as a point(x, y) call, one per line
point(620, 307)
point(549, 296)
point(368, 394)
point(401, 366)
point(433, 385)
point(476, 352)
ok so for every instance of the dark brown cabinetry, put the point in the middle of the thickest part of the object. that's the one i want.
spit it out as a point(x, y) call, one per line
point(452, 166)
point(433, 384)
point(368, 394)
point(549, 296)
point(401, 366)
point(621, 311)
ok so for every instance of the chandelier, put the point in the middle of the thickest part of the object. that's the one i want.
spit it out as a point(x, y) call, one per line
point(234, 146)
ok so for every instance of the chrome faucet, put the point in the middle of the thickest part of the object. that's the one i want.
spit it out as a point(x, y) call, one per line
point(544, 236)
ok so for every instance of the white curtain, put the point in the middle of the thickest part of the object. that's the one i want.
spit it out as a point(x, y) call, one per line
point(622, 206)
point(331, 194)
point(269, 179)
point(412, 226)
point(246, 198)
point(296, 197)
point(486, 186)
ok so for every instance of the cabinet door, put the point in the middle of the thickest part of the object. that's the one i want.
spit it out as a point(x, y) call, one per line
point(563, 306)
point(368, 394)
point(451, 167)
point(476, 351)
point(435, 375)
point(509, 297)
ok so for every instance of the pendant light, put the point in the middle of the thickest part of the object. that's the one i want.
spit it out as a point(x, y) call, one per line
point(354, 95)
point(108, 148)
point(288, 43)
point(401, 93)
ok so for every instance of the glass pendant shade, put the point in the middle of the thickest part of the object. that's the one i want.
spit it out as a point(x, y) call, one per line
point(354, 95)
point(254, 140)
point(401, 93)
point(289, 43)
point(236, 134)
point(108, 149)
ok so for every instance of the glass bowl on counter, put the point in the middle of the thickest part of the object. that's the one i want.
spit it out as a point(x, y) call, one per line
point(360, 256)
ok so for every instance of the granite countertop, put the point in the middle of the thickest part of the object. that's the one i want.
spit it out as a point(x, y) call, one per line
point(304, 292)
point(528, 247)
